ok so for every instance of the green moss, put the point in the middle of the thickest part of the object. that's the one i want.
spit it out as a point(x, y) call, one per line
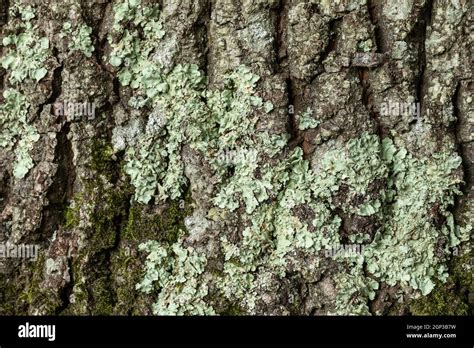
point(461, 270)
point(104, 215)
point(71, 217)
point(164, 225)
point(233, 310)
point(142, 224)
point(127, 272)
point(13, 299)
point(104, 218)
point(102, 299)
point(107, 216)
point(79, 301)
point(36, 296)
point(98, 212)
point(110, 206)
point(102, 159)
point(441, 301)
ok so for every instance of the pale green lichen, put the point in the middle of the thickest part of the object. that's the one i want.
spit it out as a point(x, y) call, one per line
point(14, 111)
point(354, 290)
point(80, 38)
point(26, 51)
point(174, 270)
point(157, 165)
point(305, 121)
point(154, 165)
point(277, 231)
point(232, 128)
point(131, 54)
point(365, 46)
point(26, 12)
point(184, 113)
point(24, 162)
point(25, 55)
point(16, 130)
point(403, 251)
point(290, 212)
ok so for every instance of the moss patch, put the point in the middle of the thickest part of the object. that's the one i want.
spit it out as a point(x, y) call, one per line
point(441, 301)
point(164, 225)
point(450, 298)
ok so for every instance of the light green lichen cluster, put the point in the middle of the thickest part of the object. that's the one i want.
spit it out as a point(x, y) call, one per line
point(152, 164)
point(24, 59)
point(420, 192)
point(365, 46)
point(402, 251)
point(234, 115)
point(354, 290)
point(279, 231)
point(291, 213)
point(15, 129)
point(174, 270)
point(80, 38)
point(130, 53)
point(26, 51)
point(305, 121)
point(357, 166)
point(155, 164)
point(14, 111)
point(184, 112)
point(410, 248)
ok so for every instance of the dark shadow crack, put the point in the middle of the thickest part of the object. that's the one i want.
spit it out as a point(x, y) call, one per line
point(296, 138)
point(206, 25)
point(330, 47)
point(460, 145)
point(67, 290)
point(4, 8)
point(374, 10)
point(280, 40)
point(61, 188)
point(56, 86)
point(418, 35)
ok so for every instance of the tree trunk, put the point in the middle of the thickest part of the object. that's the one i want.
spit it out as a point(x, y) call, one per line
point(236, 157)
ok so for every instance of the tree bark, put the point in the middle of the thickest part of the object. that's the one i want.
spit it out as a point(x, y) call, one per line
point(328, 72)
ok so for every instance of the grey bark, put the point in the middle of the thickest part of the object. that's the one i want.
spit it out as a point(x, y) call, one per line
point(306, 54)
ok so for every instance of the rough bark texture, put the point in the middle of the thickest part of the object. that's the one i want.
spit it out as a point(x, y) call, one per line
point(245, 139)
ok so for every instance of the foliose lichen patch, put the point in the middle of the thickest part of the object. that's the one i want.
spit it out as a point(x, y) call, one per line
point(288, 211)
point(26, 52)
